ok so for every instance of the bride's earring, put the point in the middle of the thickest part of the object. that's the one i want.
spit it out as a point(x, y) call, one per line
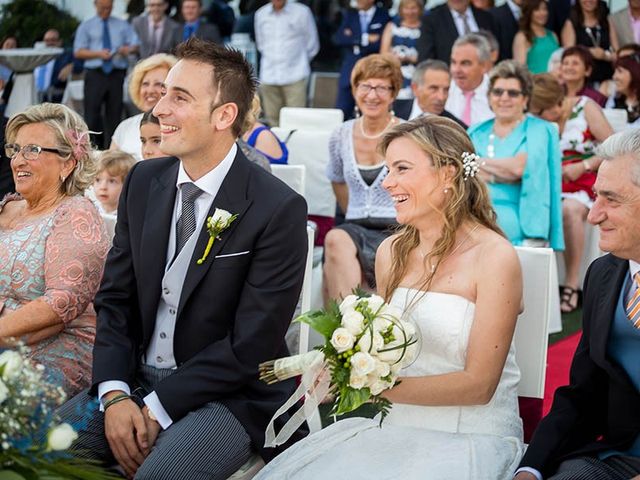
point(446, 190)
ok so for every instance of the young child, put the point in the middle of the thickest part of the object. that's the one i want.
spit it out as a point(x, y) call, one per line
point(114, 165)
point(150, 136)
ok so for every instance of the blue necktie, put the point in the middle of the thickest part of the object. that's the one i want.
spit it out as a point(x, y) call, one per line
point(107, 66)
point(41, 77)
point(188, 32)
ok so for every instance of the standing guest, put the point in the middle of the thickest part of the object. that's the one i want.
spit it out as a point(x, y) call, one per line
point(150, 137)
point(534, 44)
point(113, 168)
point(483, 4)
point(194, 26)
point(589, 25)
point(359, 35)
point(430, 84)
point(506, 18)
point(593, 428)
point(494, 46)
point(260, 137)
point(145, 89)
point(400, 38)
point(626, 23)
point(51, 78)
point(520, 161)
point(157, 32)
point(356, 171)
point(53, 244)
point(287, 39)
point(575, 70)
point(559, 11)
point(468, 97)
point(626, 78)
point(198, 408)
point(446, 23)
point(104, 43)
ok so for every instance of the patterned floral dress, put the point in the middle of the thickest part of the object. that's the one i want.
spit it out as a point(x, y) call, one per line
point(58, 259)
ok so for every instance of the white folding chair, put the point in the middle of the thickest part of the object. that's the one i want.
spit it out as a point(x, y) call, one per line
point(310, 118)
point(292, 175)
point(617, 118)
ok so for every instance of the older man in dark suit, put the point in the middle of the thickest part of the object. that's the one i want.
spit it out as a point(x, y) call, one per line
point(157, 32)
point(593, 429)
point(186, 312)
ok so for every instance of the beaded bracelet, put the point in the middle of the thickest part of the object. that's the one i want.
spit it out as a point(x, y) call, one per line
point(116, 399)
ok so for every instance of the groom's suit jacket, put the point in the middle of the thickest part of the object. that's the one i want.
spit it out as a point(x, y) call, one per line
point(234, 310)
point(600, 409)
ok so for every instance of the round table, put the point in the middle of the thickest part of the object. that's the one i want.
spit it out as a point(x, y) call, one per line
point(23, 62)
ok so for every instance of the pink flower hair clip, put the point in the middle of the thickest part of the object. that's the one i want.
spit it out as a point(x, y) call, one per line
point(79, 141)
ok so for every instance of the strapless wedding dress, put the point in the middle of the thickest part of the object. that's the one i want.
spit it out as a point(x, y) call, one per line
point(482, 442)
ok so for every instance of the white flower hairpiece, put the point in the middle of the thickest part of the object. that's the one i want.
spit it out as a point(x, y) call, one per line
point(470, 164)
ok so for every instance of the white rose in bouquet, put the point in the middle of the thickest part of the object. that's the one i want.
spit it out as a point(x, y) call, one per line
point(4, 392)
point(342, 339)
point(382, 369)
point(375, 302)
point(357, 381)
point(392, 356)
point(61, 437)
point(353, 321)
point(377, 386)
point(12, 362)
point(362, 364)
point(348, 304)
point(370, 344)
point(391, 312)
point(381, 324)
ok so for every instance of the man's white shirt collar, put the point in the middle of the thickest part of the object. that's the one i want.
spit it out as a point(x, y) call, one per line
point(210, 182)
point(515, 9)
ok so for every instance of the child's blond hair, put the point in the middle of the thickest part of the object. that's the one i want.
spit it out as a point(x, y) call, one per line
point(115, 162)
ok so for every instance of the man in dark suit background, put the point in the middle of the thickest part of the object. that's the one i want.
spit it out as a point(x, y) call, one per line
point(157, 32)
point(51, 78)
point(445, 23)
point(359, 34)
point(593, 429)
point(194, 25)
point(506, 18)
point(182, 329)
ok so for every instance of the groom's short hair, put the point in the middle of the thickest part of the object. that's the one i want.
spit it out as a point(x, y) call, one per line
point(233, 77)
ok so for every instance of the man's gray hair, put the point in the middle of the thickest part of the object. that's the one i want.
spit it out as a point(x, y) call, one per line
point(479, 42)
point(425, 66)
point(622, 144)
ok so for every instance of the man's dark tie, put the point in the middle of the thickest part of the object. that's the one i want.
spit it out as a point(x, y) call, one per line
point(187, 222)
point(107, 66)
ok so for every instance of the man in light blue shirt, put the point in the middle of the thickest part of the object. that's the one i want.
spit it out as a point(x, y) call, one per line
point(104, 43)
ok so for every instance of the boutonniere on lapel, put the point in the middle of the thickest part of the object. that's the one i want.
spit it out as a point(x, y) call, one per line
point(216, 224)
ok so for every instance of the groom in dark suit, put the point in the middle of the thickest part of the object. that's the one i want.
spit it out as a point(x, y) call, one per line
point(593, 429)
point(181, 327)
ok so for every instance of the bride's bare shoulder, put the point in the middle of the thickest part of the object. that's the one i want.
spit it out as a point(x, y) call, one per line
point(495, 251)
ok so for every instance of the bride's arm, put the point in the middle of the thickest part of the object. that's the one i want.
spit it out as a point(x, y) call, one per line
point(498, 279)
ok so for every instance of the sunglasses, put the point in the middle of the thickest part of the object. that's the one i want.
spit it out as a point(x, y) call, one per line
point(512, 93)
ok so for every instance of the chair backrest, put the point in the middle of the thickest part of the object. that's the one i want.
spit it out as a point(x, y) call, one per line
point(305, 303)
point(617, 118)
point(310, 118)
point(292, 175)
point(323, 89)
point(531, 334)
point(311, 149)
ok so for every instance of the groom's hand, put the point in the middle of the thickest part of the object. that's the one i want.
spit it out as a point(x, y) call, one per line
point(126, 432)
point(153, 429)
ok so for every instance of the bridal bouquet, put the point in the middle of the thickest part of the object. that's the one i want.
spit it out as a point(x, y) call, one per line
point(367, 343)
point(32, 443)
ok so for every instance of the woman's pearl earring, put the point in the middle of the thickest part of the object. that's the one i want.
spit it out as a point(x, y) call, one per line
point(446, 190)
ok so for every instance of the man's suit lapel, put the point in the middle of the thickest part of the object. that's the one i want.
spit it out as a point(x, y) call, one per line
point(155, 237)
point(450, 24)
point(231, 197)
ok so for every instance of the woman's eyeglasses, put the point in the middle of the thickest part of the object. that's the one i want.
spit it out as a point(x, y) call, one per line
point(30, 151)
point(380, 90)
point(512, 93)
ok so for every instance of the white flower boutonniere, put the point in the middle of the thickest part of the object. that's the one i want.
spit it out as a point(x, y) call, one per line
point(216, 224)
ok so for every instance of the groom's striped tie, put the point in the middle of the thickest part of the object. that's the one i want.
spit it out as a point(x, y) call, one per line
point(633, 306)
point(187, 221)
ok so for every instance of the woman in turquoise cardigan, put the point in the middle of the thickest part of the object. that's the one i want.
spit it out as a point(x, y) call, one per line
point(520, 161)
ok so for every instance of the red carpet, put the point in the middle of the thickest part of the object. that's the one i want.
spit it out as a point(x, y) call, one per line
point(559, 356)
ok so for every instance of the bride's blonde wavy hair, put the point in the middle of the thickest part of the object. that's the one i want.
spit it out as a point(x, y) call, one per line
point(444, 141)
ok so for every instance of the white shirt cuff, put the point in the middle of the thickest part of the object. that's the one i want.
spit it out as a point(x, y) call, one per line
point(153, 403)
point(530, 470)
point(110, 386)
point(364, 41)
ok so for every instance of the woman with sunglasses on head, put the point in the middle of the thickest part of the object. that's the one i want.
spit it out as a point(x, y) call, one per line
point(53, 244)
point(356, 170)
point(520, 161)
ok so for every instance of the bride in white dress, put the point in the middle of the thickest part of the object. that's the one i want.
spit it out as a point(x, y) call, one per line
point(455, 412)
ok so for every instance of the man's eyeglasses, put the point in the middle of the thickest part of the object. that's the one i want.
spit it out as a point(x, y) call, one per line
point(512, 93)
point(380, 90)
point(30, 151)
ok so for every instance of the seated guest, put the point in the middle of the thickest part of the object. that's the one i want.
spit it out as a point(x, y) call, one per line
point(150, 137)
point(194, 25)
point(608, 87)
point(53, 244)
point(626, 78)
point(145, 89)
point(575, 70)
point(582, 126)
point(534, 44)
point(593, 428)
point(356, 171)
point(113, 167)
point(259, 136)
point(51, 78)
point(430, 85)
point(520, 161)
point(455, 410)
point(470, 60)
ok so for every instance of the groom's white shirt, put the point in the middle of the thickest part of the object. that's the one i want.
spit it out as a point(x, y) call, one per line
point(159, 354)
